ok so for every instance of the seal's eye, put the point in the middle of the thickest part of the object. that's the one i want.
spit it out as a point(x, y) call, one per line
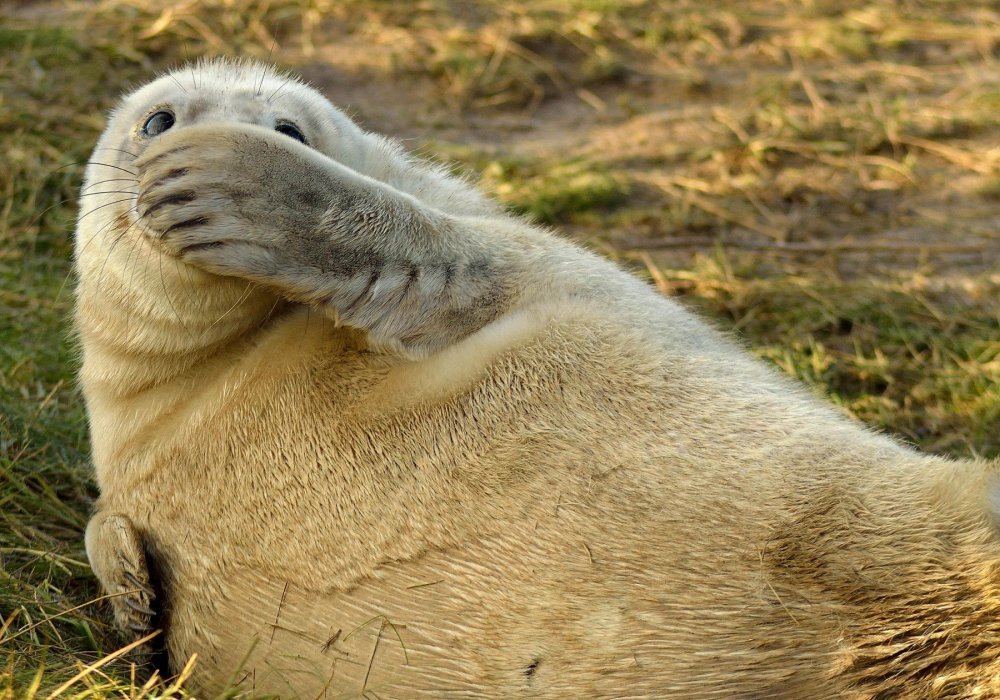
point(290, 130)
point(158, 123)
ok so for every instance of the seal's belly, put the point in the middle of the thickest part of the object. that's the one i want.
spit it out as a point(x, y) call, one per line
point(489, 621)
point(495, 619)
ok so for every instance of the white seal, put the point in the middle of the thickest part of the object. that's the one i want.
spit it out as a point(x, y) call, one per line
point(359, 431)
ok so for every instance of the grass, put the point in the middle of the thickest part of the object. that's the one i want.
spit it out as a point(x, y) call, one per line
point(824, 177)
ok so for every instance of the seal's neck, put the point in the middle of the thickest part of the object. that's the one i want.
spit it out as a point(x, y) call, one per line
point(151, 325)
point(146, 324)
point(145, 320)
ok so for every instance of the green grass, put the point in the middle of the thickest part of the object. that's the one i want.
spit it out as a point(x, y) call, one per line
point(920, 362)
point(552, 192)
point(823, 177)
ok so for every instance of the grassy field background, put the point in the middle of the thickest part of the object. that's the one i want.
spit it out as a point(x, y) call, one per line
point(823, 176)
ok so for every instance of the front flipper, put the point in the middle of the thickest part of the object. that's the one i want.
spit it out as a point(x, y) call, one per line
point(241, 201)
point(117, 557)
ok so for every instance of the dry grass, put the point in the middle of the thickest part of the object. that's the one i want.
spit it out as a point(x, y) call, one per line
point(823, 176)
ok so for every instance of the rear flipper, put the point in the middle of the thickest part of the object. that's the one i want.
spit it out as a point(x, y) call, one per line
point(116, 555)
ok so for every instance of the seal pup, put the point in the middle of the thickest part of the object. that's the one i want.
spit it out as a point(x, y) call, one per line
point(374, 436)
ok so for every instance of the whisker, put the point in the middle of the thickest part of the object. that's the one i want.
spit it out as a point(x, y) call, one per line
point(174, 78)
point(99, 231)
point(62, 285)
point(263, 73)
point(98, 208)
point(278, 89)
point(82, 249)
point(292, 92)
point(111, 250)
point(108, 165)
point(267, 317)
point(79, 252)
point(85, 162)
point(185, 270)
point(38, 217)
point(92, 194)
point(120, 150)
point(106, 180)
point(244, 295)
point(137, 244)
point(170, 303)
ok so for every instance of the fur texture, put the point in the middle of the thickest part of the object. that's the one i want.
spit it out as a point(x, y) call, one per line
point(376, 436)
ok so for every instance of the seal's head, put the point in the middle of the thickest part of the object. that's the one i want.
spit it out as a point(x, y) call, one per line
point(212, 92)
point(134, 300)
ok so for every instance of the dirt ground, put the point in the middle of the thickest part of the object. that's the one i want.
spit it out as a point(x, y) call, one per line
point(631, 128)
